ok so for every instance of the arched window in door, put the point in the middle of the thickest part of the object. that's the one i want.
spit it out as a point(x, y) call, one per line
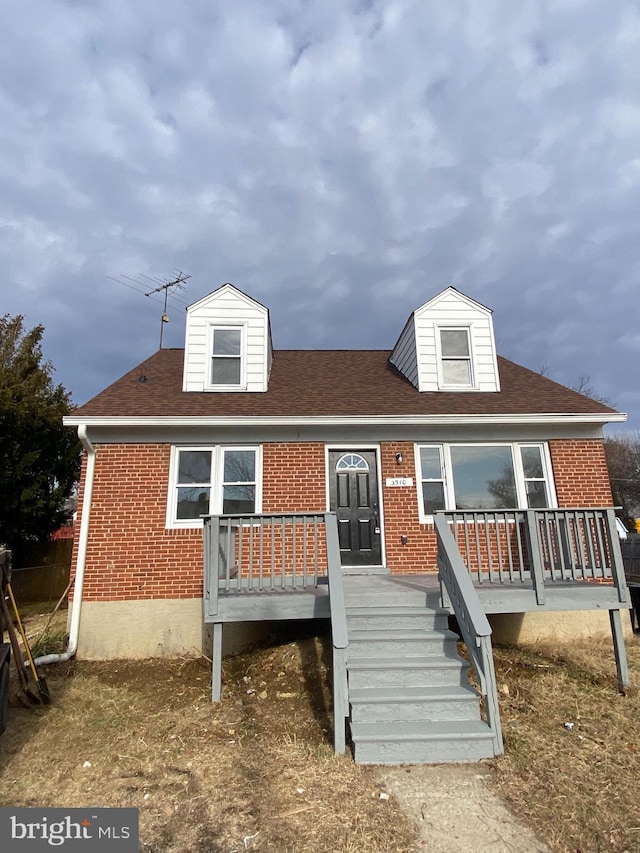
point(352, 462)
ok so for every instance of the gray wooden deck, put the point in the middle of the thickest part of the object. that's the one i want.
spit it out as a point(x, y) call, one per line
point(253, 605)
point(312, 602)
point(276, 566)
point(287, 567)
point(516, 597)
point(266, 567)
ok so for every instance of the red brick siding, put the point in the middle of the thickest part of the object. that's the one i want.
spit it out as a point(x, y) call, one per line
point(580, 472)
point(401, 514)
point(581, 479)
point(293, 477)
point(132, 555)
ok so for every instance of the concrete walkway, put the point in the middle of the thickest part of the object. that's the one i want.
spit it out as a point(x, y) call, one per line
point(457, 810)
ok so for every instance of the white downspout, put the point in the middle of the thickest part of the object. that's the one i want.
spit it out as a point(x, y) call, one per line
point(83, 539)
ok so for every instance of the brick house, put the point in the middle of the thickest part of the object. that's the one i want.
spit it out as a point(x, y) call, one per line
point(227, 484)
point(384, 490)
point(384, 439)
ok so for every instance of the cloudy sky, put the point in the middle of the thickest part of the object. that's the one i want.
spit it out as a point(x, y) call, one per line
point(340, 160)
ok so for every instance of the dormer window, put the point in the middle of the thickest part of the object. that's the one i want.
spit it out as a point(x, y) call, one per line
point(226, 356)
point(456, 370)
point(227, 344)
point(448, 345)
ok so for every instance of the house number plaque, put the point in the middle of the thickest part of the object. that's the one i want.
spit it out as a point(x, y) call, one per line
point(399, 481)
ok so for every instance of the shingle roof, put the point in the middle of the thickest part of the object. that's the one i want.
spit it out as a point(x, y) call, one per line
point(330, 383)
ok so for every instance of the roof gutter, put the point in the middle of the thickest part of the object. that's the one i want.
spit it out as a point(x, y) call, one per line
point(347, 420)
point(83, 539)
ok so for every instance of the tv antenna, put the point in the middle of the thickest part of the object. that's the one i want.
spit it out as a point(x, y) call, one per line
point(178, 282)
point(141, 287)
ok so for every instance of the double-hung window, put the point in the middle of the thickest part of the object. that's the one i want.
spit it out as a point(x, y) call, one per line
point(483, 477)
point(213, 480)
point(456, 369)
point(238, 480)
point(432, 478)
point(227, 357)
point(534, 475)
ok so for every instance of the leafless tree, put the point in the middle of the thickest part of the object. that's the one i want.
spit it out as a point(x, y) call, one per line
point(623, 462)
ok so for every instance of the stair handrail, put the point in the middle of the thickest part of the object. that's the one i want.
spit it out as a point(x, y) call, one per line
point(339, 633)
point(458, 590)
point(211, 560)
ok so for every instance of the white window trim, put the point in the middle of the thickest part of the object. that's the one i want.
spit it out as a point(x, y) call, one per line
point(547, 471)
point(242, 328)
point(449, 491)
point(464, 327)
point(419, 480)
point(216, 485)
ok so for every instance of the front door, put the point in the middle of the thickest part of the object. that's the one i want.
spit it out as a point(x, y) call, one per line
point(354, 498)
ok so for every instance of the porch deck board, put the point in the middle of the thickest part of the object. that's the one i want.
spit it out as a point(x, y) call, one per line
point(520, 597)
point(311, 602)
point(254, 605)
point(390, 631)
point(561, 595)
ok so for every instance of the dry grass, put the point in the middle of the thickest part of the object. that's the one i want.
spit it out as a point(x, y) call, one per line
point(46, 631)
point(572, 762)
point(256, 772)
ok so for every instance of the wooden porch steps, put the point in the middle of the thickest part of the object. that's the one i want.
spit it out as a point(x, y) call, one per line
point(437, 703)
point(406, 671)
point(412, 641)
point(410, 699)
point(413, 743)
point(405, 617)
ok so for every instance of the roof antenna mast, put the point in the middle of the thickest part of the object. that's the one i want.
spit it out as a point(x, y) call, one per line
point(178, 281)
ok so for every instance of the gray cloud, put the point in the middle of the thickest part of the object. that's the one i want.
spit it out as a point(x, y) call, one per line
point(342, 162)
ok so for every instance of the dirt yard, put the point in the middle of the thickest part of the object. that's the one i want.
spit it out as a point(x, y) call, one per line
point(258, 771)
point(571, 767)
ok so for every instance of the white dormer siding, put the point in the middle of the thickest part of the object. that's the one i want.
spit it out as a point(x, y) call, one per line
point(227, 343)
point(468, 360)
point(405, 354)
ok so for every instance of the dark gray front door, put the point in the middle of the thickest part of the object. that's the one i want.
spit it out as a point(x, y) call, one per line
point(354, 499)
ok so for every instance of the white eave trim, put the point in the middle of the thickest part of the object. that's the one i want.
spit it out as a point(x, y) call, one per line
point(349, 420)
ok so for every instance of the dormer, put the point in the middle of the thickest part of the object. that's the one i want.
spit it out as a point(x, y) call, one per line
point(448, 345)
point(227, 343)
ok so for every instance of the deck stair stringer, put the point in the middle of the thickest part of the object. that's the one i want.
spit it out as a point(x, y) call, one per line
point(410, 699)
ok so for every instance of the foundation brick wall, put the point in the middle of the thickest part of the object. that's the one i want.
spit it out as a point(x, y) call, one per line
point(132, 555)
